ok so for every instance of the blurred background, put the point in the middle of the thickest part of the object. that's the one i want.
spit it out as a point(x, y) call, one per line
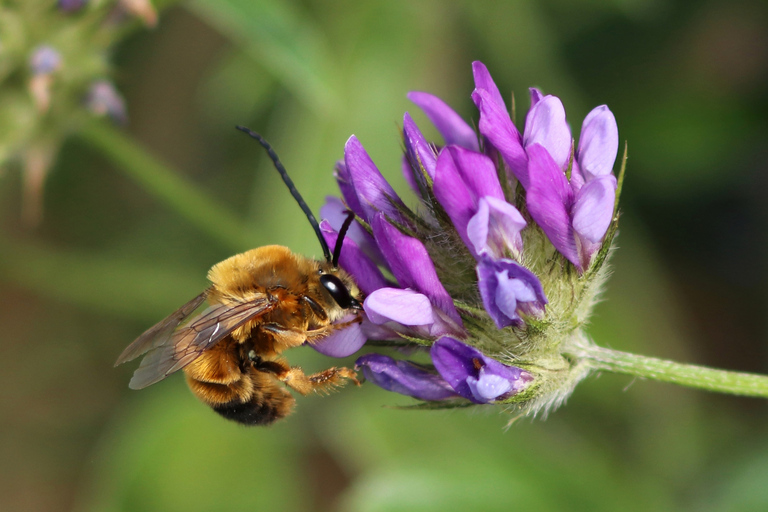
point(133, 217)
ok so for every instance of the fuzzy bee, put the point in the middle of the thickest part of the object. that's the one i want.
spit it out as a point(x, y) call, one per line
point(260, 303)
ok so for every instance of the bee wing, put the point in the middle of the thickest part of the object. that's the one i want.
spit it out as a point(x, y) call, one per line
point(160, 333)
point(187, 343)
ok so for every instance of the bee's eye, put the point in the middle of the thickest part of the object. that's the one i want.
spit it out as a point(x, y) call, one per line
point(339, 292)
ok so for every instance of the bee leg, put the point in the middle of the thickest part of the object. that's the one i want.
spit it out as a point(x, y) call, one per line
point(277, 367)
point(320, 382)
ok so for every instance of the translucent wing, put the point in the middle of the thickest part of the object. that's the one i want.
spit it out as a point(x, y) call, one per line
point(160, 333)
point(186, 343)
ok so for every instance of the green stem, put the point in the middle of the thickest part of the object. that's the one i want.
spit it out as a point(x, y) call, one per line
point(166, 185)
point(710, 379)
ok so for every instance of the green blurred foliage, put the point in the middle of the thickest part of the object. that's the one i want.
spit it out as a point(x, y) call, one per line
point(688, 82)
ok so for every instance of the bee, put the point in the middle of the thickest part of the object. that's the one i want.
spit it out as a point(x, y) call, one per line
point(260, 303)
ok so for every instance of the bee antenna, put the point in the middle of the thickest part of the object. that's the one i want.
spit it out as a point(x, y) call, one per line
point(292, 188)
point(340, 239)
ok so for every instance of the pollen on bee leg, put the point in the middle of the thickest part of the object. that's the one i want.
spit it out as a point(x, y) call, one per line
point(320, 382)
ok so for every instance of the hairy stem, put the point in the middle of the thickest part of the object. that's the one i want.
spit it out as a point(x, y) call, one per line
point(722, 381)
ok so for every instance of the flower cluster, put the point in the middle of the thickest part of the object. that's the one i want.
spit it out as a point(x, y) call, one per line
point(60, 51)
point(496, 271)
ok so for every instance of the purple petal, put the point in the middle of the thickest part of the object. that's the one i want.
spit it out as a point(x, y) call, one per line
point(418, 150)
point(405, 307)
point(374, 193)
point(453, 194)
point(545, 124)
point(44, 60)
point(342, 343)
point(404, 378)
point(536, 96)
point(496, 126)
point(549, 200)
point(450, 124)
point(347, 188)
point(495, 228)
point(412, 266)
point(598, 143)
point(408, 174)
point(484, 82)
point(593, 209)
point(474, 375)
point(477, 171)
point(577, 177)
point(487, 386)
point(352, 259)
point(335, 212)
point(508, 289)
point(104, 100)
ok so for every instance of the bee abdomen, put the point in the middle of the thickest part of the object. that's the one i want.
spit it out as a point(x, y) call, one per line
point(255, 399)
point(257, 411)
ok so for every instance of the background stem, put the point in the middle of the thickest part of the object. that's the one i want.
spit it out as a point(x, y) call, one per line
point(167, 185)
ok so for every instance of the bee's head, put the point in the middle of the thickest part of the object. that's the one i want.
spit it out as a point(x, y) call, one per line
point(337, 283)
point(342, 289)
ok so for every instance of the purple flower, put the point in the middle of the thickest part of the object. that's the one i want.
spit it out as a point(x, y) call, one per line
point(418, 152)
point(335, 212)
point(598, 144)
point(373, 193)
point(509, 290)
point(495, 228)
point(404, 377)
point(347, 188)
point(451, 126)
point(475, 376)
point(104, 100)
point(576, 215)
point(404, 311)
point(342, 342)
point(44, 60)
point(496, 125)
point(467, 186)
point(545, 125)
point(413, 268)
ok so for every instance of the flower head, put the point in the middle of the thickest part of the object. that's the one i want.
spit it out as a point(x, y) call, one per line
point(497, 269)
